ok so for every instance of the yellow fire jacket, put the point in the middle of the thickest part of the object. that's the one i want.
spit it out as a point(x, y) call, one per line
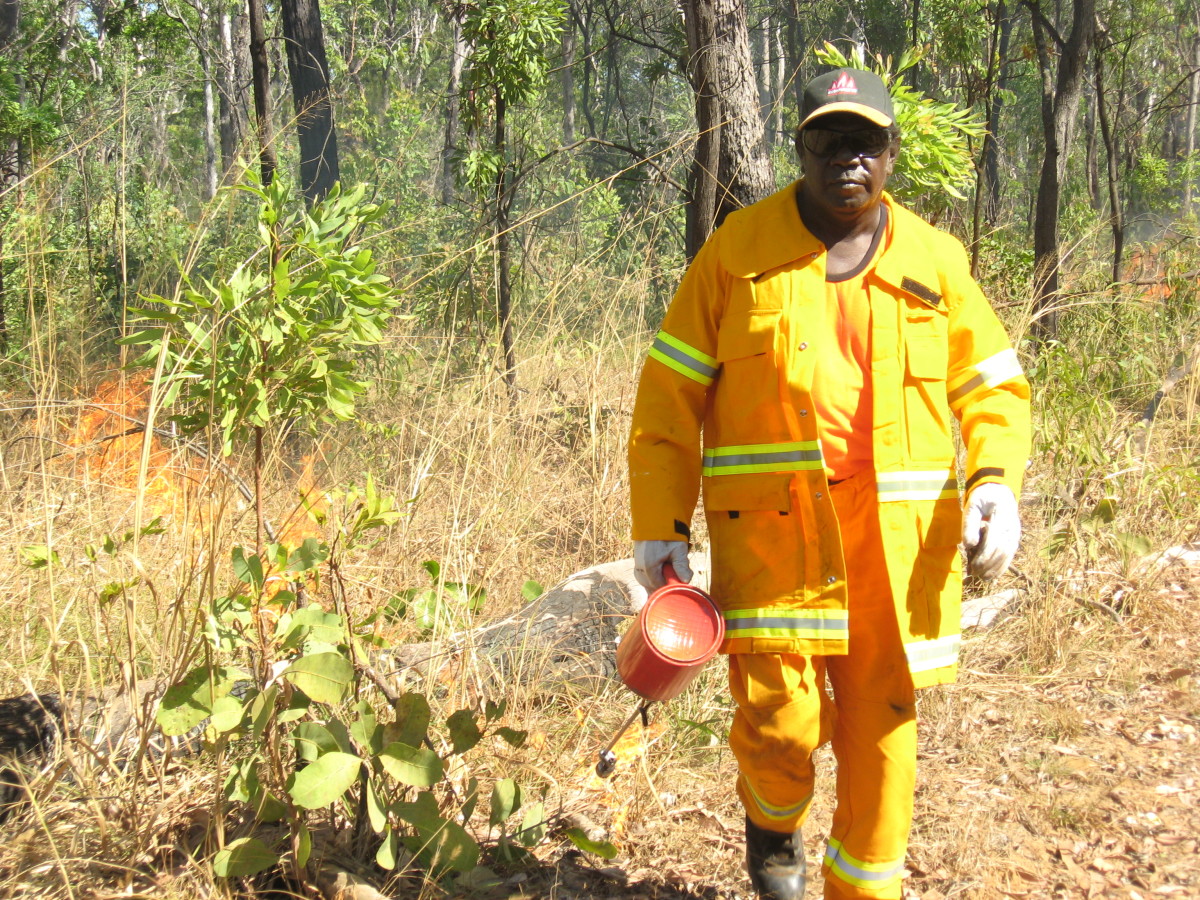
point(724, 400)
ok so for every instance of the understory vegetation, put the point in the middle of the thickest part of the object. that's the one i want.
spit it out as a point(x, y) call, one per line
point(253, 448)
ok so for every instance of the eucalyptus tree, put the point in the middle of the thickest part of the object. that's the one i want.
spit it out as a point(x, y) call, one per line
point(308, 70)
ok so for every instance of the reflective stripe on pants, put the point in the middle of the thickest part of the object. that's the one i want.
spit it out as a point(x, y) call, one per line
point(784, 714)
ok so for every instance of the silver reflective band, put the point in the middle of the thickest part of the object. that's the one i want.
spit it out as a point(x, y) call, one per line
point(776, 812)
point(994, 370)
point(859, 873)
point(684, 359)
point(811, 624)
point(935, 654)
point(788, 457)
point(937, 485)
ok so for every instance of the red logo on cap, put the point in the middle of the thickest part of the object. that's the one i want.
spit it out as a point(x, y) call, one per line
point(844, 85)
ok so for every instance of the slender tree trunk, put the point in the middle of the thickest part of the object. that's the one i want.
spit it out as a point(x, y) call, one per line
point(702, 179)
point(982, 186)
point(10, 156)
point(261, 79)
point(991, 156)
point(309, 71)
point(1061, 91)
point(766, 99)
point(780, 81)
point(453, 123)
point(567, 78)
point(1189, 126)
point(210, 111)
point(1116, 217)
point(727, 116)
point(233, 118)
point(501, 233)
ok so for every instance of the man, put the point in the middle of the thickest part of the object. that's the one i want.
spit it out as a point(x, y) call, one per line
point(805, 374)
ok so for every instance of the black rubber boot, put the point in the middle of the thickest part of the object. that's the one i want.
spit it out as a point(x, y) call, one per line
point(776, 862)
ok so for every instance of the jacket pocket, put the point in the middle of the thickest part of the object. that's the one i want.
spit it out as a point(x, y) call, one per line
point(765, 491)
point(758, 547)
point(748, 334)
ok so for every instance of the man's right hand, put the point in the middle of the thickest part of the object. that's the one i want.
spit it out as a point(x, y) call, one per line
point(648, 559)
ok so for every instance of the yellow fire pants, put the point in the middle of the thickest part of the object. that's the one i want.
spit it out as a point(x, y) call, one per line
point(784, 714)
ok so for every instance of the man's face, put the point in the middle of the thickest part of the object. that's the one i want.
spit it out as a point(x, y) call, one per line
point(845, 170)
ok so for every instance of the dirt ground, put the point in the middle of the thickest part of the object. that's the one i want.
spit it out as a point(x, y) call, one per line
point(1072, 776)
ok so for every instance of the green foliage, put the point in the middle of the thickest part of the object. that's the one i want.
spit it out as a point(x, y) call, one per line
point(935, 155)
point(444, 604)
point(273, 340)
point(511, 41)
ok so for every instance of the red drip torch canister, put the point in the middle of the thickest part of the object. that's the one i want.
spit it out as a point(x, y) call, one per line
point(675, 634)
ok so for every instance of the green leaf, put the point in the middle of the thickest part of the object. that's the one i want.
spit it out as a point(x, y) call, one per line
point(531, 590)
point(1105, 511)
point(323, 782)
point(304, 844)
point(410, 765)
point(464, 732)
point(385, 856)
point(412, 720)
point(470, 799)
point(506, 800)
point(533, 825)
point(227, 714)
point(188, 703)
point(307, 556)
point(376, 814)
point(603, 849)
point(245, 856)
point(451, 847)
point(493, 711)
point(247, 569)
point(325, 677)
point(433, 567)
point(39, 556)
point(423, 813)
point(513, 737)
point(365, 729)
point(313, 740)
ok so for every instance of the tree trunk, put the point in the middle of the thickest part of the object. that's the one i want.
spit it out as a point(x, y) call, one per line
point(567, 79)
point(501, 235)
point(1061, 91)
point(1116, 217)
point(766, 99)
point(210, 111)
point(732, 167)
point(991, 156)
point(309, 71)
point(453, 123)
point(261, 79)
point(982, 185)
point(10, 156)
point(230, 72)
point(1189, 126)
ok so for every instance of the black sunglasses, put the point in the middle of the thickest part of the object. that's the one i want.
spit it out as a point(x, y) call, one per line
point(866, 142)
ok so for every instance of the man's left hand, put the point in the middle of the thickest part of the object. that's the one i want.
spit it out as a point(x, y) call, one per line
point(991, 530)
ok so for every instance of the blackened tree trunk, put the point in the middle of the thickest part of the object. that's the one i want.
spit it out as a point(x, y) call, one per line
point(991, 155)
point(309, 72)
point(1062, 87)
point(503, 254)
point(451, 136)
point(10, 156)
point(567, 78)
point(261, 79)
point(1116, 212)
point(732, 167)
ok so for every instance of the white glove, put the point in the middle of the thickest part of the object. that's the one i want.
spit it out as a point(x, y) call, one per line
point(648, 559)
point(991, 530)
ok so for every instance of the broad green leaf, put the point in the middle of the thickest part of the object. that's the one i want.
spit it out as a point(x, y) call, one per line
point(323, 782)
point(245, 856)
point(470, 799)
point(365, 729)
point(304, 844)
point(512, 737)
point(312, 740)
point(412, 720)
point(433, 567)
point(464, 732)
point(531, 590)
point(493, 711)
point(227, 714)
point(603, 849)
point(308, 555)
point(247, 569)
point(188, 703)
point(409, 765)
point(385, 856)
point(325, 677)
point(422, 813)
point(533, 825)
point(506, 800)
point(39, 556)
point(451, 847)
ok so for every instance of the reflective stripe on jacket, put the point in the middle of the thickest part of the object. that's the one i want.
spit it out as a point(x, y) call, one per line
point(732, 365)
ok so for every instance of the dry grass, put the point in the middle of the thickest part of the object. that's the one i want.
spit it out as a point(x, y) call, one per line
point(1063, 764)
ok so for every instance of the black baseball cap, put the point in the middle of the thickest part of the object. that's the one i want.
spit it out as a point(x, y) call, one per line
point(847, 90)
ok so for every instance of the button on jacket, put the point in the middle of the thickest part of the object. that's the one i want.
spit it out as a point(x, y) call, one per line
point(725, 399)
